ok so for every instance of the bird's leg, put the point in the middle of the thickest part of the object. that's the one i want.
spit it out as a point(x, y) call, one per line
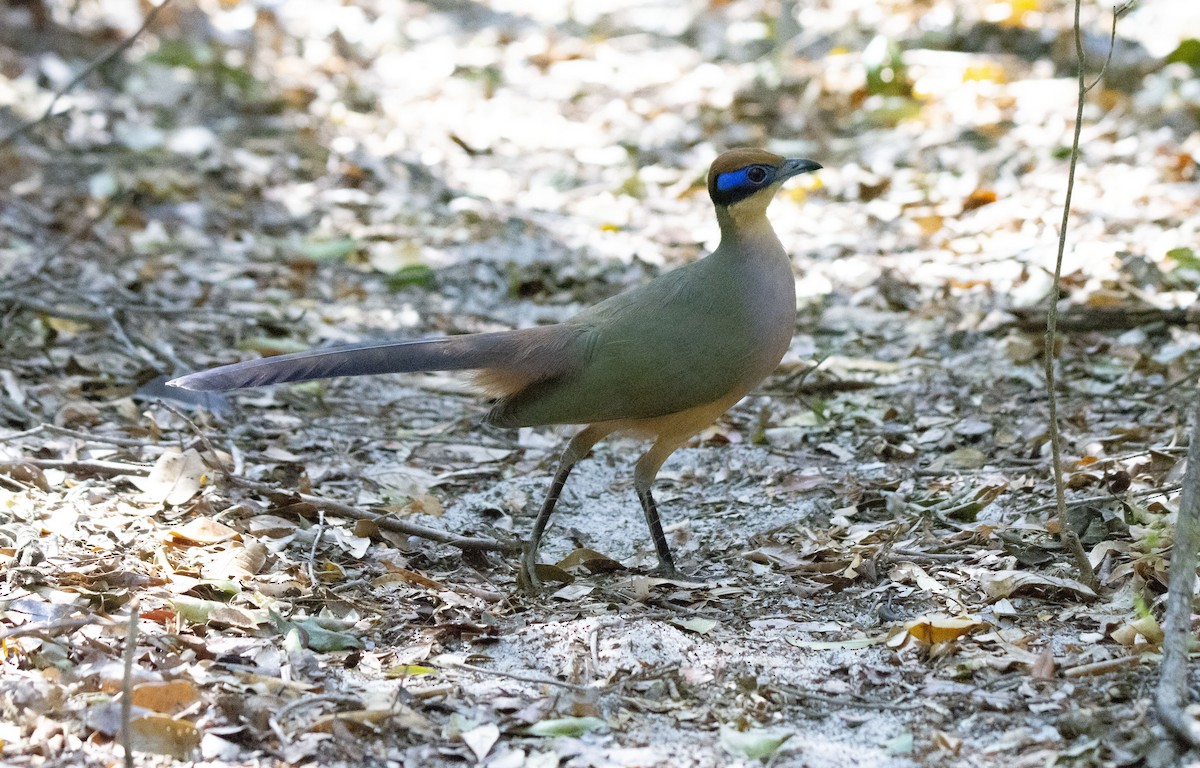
point(576, 450)
point(643, 477)
point(666, 564)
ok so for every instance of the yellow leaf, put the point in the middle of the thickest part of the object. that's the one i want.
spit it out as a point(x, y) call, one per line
point(201, 531)
point(938, 629)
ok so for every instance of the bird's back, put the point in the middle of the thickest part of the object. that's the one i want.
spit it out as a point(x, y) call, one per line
point(688, 338)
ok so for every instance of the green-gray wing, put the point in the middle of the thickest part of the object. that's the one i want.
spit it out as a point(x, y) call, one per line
point(641, 352)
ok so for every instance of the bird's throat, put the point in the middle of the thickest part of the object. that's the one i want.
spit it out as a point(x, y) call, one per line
point(744, 220)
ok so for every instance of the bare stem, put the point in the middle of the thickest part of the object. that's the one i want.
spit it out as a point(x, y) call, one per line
point(127, 684)
point(1069, 540)
point(1171, 696)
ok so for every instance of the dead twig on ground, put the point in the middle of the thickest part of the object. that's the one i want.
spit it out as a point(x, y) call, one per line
point(50, 628)
point(476, 544)
point(310, 564)
point(1103, 318)
point(108, 468)
point(514, 676)
point(1073, 503)
point(1101, 667)
point(126, 442)
point(844, 701)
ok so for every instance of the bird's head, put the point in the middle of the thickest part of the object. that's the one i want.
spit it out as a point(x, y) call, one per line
point(742, 182)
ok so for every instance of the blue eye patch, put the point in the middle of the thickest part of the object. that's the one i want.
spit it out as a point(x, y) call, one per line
point(732, 180)
point(741, 179)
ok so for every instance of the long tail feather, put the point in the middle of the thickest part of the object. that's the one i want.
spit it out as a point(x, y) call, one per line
point(502, 350)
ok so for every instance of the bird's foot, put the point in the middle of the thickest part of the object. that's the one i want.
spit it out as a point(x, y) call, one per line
point(527, 578)
point(666, 570)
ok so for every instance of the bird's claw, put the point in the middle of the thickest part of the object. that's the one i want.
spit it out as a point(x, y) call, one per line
point(527, 578)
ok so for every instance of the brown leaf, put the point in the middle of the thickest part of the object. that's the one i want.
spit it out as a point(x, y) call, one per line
point(1043, 667)
point(978, 199)
point(201, 531)
point(166, 697)
point(164, 735)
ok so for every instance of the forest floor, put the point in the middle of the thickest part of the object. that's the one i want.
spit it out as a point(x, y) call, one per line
point(873, 573)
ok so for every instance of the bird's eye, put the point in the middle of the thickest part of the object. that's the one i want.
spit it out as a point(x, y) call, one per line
point(756, 174)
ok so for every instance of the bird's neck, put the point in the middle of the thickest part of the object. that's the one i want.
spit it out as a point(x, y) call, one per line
point(746, 228)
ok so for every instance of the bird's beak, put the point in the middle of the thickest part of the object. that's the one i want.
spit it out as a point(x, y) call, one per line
point(794, 166)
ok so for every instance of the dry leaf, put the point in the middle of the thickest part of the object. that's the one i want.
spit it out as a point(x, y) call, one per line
point(166, 697)
point(1005, 583)
point(164, 735)
point(941, 629)
point(201, 531)
point(176, 477)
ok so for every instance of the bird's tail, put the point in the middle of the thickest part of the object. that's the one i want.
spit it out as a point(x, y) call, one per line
point(527, 355)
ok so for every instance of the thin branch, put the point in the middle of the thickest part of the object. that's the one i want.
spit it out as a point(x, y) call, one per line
point(66, 313)
point(315, 699)
point(1089, 500)
point(1118, 12)
point(84, 74)
point(95, 467)
point(513, 675)
point(50, 628)
point(127, 684)
point(1171, 695)
point(126, 442)
point(1101, 667)
point(847, 702)
point(310, 566)
point(1068, 537)
point(26, 433)
point(383, 521)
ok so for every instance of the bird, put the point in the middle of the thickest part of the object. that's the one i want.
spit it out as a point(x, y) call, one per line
point(660, 361)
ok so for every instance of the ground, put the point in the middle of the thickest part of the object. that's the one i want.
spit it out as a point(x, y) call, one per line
point(871, 567)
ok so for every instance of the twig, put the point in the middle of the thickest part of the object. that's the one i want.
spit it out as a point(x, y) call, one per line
point(1184, 379)
point(1069, 538)
point(793, 380)
point(1171, 695)
point(201, 436)
point(137, 345)
point(1118, 12)
point(127, 684)
point(145, 353)
point(383, 521)
point(90, 467)
point(514, 676)
point(1101, 667)
point(126, 442)
point(84, 74)
point(937, 557)
point(49, 628)
point(315, 699)
point(843, 701)
point(27, 433)
point(1072, 503)
point(312, 552)
point(93, 316)
point(41, 307)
